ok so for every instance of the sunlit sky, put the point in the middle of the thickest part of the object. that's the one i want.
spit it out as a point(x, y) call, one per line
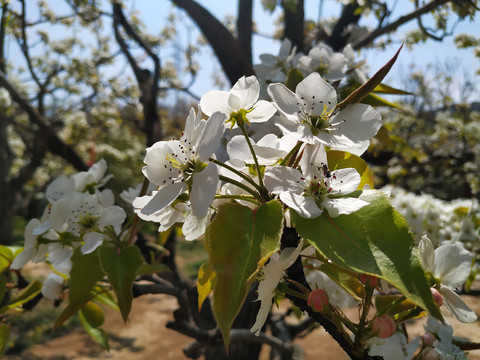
point(153, 14)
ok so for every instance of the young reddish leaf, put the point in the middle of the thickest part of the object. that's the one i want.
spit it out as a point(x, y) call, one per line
point(370, 85)
point(121, 268)
point(374, 240)
point(85, 273)
point(205, 279)
point(239, 241)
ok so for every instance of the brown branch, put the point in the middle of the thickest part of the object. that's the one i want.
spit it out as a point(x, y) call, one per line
point(245, 27)
point(54, 144)
point(147, 82)
point(371, 36)
point(338, 39)
point(234, 61)
point(294, 23)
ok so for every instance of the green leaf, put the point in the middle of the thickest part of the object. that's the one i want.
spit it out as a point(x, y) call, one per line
point(386, 89)
point(23, 296)
point(293, 78)
point(374, 240)
point(205, 279)
point(342, 160)
point(239, 241)
point(145, 269)
point(4, 335)
point(121, 267)
point(370, 85)
point(376, 101)
point(106, 297)
point(7, 254)
point(85, 273)
point(98, 335)
point(346, 281)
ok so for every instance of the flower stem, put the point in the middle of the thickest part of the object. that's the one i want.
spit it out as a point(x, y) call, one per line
point(291, 153)
point(238, 197)
point(136, 219)
point(237, 172)
point(244, 187)
point(260, 178)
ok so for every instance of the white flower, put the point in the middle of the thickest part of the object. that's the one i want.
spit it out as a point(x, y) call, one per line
point(272, 273)
point(177, 212)
point(324, 60)
point(242, 99)
point(393, 348)
point(32, 251)
point(451, 265)
point(443, 346)
point(177, 165)
point(315, 188)
point(274, 68)
point(53, 286)
point(308, 115)
point(93, 178)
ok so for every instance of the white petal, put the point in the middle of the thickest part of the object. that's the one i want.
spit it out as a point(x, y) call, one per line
point(113, 215)
point(273, 272)
point(215, 100)
point(427, 254)
point(262, 111)
point(52, 286)
point(457, 306)
point(24, 257)
point(193, 227)
point(60, 258)
point(301, 132)
point(284, 99)
point(344, 181)
point(343, 206)
point(156, 159)
point(204, 188)
point(359, 122)
point(314, 157)
point(164, 197)
point(280, 179)
point(313, 89)
point(59, 188)
point(304, 206)
point(211, 136)
point(92, 240)
point(452, 264)
point(246, 89)
point(237, 148)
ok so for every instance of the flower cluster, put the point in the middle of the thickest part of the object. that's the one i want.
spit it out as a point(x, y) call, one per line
point(78, 215)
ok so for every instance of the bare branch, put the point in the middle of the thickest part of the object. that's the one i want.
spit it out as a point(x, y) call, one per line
point(368, 38)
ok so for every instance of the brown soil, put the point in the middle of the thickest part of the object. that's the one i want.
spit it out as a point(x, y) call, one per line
point(146, 337)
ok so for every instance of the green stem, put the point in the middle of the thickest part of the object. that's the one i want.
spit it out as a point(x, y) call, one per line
point(291, 153)
point(260, 179)
point(238, 197)
point(365, 311)
point(244, 187)
point(237, 172)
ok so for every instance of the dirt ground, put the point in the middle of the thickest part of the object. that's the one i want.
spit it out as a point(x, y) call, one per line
point(146, 337)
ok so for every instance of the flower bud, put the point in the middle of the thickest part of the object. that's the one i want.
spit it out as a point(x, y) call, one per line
point(437, 297)
point(384, 326)
point(318, 300)
point(428, 339)
point(369, 280)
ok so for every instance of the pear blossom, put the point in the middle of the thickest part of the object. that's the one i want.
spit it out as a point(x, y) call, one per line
point(241, 101)
point(442, 347)
point(274, 68)
point(324, 60)
point(394, 347)
point(92, 179)
point(177, 212)
point(315, 189)
point(176, 166)
point(32, 250)
point(53, 286)
point(272, 273)
point(309, 116)
point(451, 265)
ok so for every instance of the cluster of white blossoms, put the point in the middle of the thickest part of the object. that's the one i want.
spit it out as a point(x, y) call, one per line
point(78, 215)
point(191, 182)
point(444, 222)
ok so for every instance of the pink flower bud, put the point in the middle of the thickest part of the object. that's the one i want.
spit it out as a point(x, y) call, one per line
point(369, 280)
point(437, 297)
point(428, 339)
point(384, 326)
point(318, 300)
